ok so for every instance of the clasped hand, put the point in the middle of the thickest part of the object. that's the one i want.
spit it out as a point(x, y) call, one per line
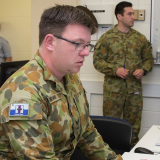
point(138, 73)
point(123, 73)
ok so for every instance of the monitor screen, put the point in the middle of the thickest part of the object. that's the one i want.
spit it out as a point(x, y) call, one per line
point(8, 68)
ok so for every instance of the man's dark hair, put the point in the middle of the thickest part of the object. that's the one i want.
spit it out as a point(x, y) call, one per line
point(120, 7)
point(54, 20)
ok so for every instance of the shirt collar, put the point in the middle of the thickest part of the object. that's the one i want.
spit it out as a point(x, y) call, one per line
point(116, 30)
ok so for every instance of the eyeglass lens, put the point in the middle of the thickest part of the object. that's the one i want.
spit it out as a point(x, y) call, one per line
point(80, 47)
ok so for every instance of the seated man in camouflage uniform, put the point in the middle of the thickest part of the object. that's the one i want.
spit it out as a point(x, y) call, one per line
point(43, 110)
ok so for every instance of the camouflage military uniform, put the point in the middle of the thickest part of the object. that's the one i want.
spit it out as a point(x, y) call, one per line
point(58, 118)
point(131, 50)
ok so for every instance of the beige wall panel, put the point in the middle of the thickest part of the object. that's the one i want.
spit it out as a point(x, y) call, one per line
point(15, 21)
point(38, 6)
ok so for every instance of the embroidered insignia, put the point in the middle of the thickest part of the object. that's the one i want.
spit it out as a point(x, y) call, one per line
point(55, 97)
point(52, 98)
point(19, 109)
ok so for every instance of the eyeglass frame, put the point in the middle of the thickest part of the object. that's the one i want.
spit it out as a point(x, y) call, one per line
point(91, 45)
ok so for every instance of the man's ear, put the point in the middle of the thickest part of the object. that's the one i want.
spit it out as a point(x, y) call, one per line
point(119, 16)
point(48, 41)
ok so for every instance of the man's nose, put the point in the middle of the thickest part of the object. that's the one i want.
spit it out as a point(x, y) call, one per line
point(85, 51)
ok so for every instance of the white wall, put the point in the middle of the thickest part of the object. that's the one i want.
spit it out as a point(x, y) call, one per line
point(15, 20)
point(93, 80)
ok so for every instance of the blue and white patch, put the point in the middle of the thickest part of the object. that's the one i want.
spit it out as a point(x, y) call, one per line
point(19, 109)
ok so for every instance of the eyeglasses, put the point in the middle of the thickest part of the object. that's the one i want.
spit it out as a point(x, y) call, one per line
point(79, 46)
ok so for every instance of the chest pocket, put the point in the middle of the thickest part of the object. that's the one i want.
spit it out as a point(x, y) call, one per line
point(115, 49)
point(59, 119)
point(58, 110)
point(133, 49)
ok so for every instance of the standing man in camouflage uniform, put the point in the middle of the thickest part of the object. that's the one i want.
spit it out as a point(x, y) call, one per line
point(124, 55)
point(43, 106)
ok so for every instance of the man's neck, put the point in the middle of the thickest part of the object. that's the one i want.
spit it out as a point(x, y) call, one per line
point(123, 29)
point(49, 64)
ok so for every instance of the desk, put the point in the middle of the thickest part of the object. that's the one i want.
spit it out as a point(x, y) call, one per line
point(149, 139)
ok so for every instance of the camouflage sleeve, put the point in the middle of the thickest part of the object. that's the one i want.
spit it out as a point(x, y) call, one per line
point(100, 59)
point(93, 146)
point(29, 138)
point(147, 57)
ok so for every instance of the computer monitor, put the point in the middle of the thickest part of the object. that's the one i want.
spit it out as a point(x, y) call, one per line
point(8, 68)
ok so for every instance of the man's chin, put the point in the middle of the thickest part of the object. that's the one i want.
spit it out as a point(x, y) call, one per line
point(74, 71)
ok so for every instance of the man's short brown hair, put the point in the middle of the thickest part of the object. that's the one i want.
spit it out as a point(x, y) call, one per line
point(55, 19)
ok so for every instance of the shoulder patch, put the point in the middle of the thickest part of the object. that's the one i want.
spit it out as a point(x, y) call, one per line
point(19, 109)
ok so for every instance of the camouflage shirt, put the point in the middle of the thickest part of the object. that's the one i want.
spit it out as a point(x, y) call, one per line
point(116, 49)
point(42, 119)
